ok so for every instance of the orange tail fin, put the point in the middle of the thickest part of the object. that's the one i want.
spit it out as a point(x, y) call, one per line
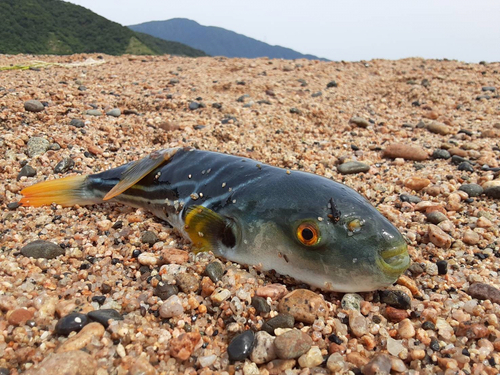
point(66, 191)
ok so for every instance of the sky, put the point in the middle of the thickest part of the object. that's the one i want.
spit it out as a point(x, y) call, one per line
point(349, 30)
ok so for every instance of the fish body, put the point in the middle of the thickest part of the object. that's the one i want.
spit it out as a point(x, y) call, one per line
point(300, 224)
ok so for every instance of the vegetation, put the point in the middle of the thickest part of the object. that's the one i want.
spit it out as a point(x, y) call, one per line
point(58, 27)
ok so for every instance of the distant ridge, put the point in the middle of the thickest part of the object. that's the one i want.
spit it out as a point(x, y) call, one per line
point(216, 41)
point(59, 27)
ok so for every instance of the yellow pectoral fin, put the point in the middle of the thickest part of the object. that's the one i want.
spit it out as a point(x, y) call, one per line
point(206, 228)
point(139, 170)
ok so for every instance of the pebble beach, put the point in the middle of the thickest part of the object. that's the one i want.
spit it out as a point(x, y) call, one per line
point(112, 290)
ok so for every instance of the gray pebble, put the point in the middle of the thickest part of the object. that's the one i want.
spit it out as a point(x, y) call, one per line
point(489, 88)
point(13, 206)
point(416, 269)
point(465, 166)
point(455, 159)
point(484, 291)
point(77, 123)
point(33, 106)
point(173, 81)
point(54, 147)
point(295, 111)
point(82, 88)
point(352, 167)
point(214, 271)
point(331, 84)
point(473, 190)
point(316, 94)
point(410, 198)
point(351, 301)
point(93, 112)
point(115, 112)
point(103, 316)
point(260, 305)
point(42, 249)
point(492, 192)
point(441, 154)
point(379, 364)
point(435, 217)
point(149, 237)
point(188, 282)
point(241, 346)
point(64, 165)
point(431, 269)
point(279, 321)
point(360, 122)
point(164, 291)
point(194, 105)
point(37, 146)
point(396, 298)
point(242, 98)
point(27, 171)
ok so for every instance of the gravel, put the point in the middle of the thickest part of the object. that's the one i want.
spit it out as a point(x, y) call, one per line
point(427, 322)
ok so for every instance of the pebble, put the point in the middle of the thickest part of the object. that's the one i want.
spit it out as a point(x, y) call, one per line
point(83, 338)
point(488, 88)
point(395, 315)
point(292, 344)
point(457, 159)
point(241, 346)
point(37, 146)
point(492, 192)
point(336, 363)
point(438, 128)
point(250, 369)
point(357, 323)
point(171, 307)
point(33, 106)
point(64, 165)
point(71, 323)
point(103, 316)
point(441, 154)
point(75, 362)
point(93, 112)
point(438, 237)
point(42, 249)
point(173, 256)
point(442, 266)
point(410, 198)
point(26, 171)
point(405, 151)
point(188, 282)
point(19, 316)
point(220, 296)
point(263, 350)
point(304, 305)
point(331, 84)
point(352, 167)
point(77, 123)
point(182, 346)
point(141, 366)
point(149, 238)
point(316, 94)
point(206, 361)
point(395, 298)
point(194, 105)
point(312, 358)
point(483, 291)
point(431, 269)
point(394, 347)
point(214, 271)
point(148, 259)
point(416, 183)
point(465, 166)
point(351, 301)
point(115, 112)
point(470, 237)
point(397, 365)
point(406, 329)
point(273, 291)
point(260, 304)
point(436, 217)
point(357, 359)
point(473, 190)
point(165, 291)
point(360, 122)
point(280, 366)
point(378, 365)
point(279, 321)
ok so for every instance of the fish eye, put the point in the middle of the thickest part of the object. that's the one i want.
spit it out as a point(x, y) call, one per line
point(308, 234)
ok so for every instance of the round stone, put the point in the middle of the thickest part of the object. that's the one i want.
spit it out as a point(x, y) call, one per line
point(188, 282)
point(442, 267)
point(260, 305)
point(484, 291)
point(103, 316)
point(395, 298)
point(263, 350)
point(71, 323)
point(279, 321)
point(149, 238)
point(351, 301)
point(492, 192)
point(115, 112)
point(465, 166)
point(214, 271)
point(64, 165)
point(171, 307)
point(37, 146)
point(194, 105)
point(77, 123)
point(352, 167)
point(304, 305)
point(473, 190)
point(241, 346)
point(292, 344)
point(93, 112)
point(33, 106)
point(165, 291)
point(435, 217)
point(42, 249)
point(26, 171)
point(360, 121)
point(410, 198)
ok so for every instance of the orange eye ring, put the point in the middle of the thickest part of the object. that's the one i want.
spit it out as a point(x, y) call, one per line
point(308, 234)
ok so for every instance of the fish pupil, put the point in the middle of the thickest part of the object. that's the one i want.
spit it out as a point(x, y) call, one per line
point(307, 234)
point(228, 238)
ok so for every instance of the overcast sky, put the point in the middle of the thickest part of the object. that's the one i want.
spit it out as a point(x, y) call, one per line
point(348, 30)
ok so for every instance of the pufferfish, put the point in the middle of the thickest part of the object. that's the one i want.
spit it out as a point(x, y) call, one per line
point(299, 224)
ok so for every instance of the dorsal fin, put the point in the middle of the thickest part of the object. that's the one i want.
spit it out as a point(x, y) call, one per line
point(139, 170)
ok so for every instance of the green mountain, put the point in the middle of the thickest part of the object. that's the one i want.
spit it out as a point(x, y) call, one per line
point(216, 41)
point(58, 27)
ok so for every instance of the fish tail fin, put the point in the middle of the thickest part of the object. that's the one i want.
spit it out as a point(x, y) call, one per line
point(66, 191)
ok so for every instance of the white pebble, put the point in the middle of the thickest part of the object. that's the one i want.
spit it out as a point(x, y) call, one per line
point(394, 346)
point(250, 368)
point(312, 358)
point(207, 360)
point(171, 307)
point(147, 259)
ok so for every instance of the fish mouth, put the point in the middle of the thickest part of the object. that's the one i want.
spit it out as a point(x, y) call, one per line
point(394, 260)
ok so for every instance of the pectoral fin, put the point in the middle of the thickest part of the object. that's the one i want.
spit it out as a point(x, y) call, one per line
point(139, 170)
point(208, 230)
